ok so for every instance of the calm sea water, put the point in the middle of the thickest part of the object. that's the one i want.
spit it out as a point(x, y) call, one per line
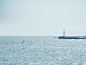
point(41, 50)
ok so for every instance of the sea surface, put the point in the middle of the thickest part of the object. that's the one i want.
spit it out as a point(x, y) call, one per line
point(41, 50)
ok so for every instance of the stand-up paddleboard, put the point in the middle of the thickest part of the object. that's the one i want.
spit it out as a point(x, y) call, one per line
point(23, 41)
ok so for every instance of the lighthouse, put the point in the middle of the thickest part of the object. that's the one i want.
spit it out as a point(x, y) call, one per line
point(64, 32)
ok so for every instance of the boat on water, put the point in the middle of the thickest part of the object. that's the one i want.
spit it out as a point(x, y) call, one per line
point(71, 37)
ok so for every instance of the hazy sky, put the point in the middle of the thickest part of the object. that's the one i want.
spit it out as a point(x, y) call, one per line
point(42, 17)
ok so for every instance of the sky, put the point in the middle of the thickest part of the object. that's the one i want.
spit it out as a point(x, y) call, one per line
point(42, 17)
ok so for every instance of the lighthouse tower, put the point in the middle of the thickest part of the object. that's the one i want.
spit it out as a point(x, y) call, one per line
point(63, 32)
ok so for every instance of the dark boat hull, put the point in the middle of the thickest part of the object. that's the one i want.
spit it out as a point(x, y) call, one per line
point(72, 37)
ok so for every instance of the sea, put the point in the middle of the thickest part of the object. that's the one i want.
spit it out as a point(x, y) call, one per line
point(41, 50)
